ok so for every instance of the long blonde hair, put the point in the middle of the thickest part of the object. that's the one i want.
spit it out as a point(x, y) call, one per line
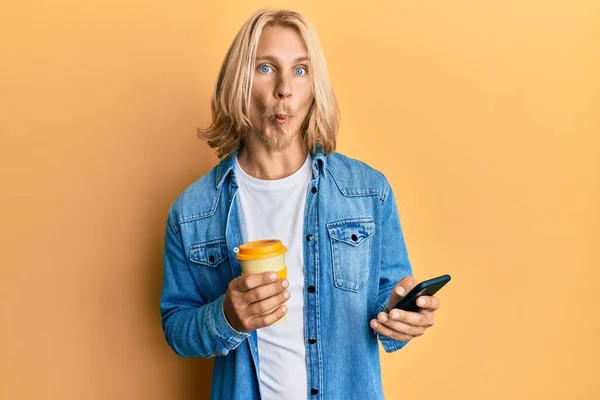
point(230, 105)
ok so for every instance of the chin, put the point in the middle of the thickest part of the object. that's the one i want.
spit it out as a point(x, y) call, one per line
point(276, 139)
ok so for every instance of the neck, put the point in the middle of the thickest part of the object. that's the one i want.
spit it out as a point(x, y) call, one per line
point(261, 163)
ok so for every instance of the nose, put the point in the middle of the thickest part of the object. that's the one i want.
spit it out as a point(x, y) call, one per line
point(283, 89)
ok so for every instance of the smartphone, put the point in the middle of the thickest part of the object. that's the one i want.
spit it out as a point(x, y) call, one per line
point(408, 302)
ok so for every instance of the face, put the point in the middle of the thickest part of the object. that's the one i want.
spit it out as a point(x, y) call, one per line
point(282, 90)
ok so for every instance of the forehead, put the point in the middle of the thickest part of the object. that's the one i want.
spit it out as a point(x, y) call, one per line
point(281, 42)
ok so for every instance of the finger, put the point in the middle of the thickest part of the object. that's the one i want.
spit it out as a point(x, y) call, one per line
point(401, 327)
point(412, 318)
point(264, 292)
point(266, 305)
point(260, 321)
point(250, 281)
point(385, 331)
point(428, 302)
point(401, 288)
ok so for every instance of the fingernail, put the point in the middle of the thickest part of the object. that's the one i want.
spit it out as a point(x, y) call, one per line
point(400, 290)
point(421, 301)
point(286, 294)
point(273, 277)
point(285, 283)
point(383, 318)
point(284, 309)
point(374, 324)
point(395, 314)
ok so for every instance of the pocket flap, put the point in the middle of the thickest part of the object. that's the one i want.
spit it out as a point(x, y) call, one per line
point(210, 253)
point(352, 231)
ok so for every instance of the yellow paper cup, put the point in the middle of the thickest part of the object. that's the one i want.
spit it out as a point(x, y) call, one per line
point(263, 256)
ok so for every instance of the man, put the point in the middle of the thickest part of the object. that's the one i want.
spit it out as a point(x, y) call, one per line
point(275, 120)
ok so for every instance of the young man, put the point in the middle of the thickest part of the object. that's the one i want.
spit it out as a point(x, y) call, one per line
point(275, 120)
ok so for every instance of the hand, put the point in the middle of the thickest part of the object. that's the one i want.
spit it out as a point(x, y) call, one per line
point(405, 325)
point(251, 299)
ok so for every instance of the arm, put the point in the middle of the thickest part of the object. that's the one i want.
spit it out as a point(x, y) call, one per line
point(193, 327)
point(394, 262)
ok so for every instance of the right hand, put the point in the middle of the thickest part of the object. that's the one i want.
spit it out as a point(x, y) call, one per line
point(249, 298)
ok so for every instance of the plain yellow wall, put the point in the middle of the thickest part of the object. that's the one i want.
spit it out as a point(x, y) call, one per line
point(484, 115)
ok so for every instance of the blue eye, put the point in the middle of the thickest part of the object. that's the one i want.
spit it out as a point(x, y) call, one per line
point(300, 71)
point(264, 68)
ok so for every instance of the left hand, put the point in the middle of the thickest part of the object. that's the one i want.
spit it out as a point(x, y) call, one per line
point(405, 325)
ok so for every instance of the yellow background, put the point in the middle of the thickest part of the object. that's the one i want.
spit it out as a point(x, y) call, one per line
point(484, 115)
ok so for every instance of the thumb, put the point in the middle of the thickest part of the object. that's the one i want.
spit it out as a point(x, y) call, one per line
point(396, 295)
point(402, 287)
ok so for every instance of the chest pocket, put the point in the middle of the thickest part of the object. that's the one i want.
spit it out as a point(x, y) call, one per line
point(351, 252)
point(209, 254)
point(212, 269)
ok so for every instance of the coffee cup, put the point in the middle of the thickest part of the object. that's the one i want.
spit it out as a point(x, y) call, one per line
point(262, 256)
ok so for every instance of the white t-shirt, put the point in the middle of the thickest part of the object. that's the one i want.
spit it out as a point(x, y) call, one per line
point(274, 209)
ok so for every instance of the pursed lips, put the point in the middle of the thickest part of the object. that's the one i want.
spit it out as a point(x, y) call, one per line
point(281, 119)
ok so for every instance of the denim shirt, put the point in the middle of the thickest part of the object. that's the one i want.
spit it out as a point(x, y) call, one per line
point(354, 254)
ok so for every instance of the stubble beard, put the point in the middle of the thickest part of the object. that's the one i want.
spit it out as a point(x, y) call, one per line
point(277, 140)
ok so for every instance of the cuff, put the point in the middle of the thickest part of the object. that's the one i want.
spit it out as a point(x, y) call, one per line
point(221, 328)
point(390, 345)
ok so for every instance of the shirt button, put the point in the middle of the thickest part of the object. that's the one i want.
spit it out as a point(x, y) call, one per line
point(354, 237)
point(311, 289)
point(310, 238)
point(314, 189)
point(211, 259)
point(314, 391)
point(312, 340)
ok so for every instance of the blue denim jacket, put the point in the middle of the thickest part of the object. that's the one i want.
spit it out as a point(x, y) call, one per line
point(354, 254)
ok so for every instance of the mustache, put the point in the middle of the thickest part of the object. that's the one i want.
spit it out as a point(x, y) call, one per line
point(278, 110)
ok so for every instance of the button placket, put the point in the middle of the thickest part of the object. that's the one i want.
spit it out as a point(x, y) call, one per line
point(312, 271)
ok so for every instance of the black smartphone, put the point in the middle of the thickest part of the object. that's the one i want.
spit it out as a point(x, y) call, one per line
point(408, 302)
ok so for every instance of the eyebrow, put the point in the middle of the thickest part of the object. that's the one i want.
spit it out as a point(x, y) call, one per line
point(274, 59)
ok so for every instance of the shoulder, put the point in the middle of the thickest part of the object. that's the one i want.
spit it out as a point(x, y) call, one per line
point(199, 200)
point(356, 178)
